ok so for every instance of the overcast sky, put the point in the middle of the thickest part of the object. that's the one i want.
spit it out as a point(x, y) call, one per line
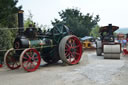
point(110, 11)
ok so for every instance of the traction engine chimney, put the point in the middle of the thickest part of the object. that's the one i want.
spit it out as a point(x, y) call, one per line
point(20, 22)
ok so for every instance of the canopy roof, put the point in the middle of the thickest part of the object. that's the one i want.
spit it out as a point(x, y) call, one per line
point(106, 28)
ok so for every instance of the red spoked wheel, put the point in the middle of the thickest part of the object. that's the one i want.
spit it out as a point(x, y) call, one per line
point(30, 59)
point(11, 59)
point(70, 49)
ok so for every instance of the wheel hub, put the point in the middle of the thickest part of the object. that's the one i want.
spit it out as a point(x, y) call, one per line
point(72, 50)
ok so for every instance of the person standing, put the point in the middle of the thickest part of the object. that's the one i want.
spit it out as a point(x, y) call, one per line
point(124, 42)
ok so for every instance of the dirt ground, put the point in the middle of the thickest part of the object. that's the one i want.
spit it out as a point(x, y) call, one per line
point(92, 70)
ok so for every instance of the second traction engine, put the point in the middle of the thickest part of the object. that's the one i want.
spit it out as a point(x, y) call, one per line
point(107, 44)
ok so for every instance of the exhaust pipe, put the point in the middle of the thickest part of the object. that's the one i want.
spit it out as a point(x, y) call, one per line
point(20, 22)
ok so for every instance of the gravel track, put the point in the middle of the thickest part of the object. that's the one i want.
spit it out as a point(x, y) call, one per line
point(92, 70)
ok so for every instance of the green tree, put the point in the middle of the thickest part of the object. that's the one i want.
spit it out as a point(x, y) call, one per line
point(8, 19)
point(5, 39)
point(29, 20)
point(95, 31)
point(80, 24)
point(8, 12)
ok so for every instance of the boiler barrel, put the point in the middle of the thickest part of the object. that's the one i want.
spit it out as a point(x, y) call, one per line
point(25, 43)
point(36, 43)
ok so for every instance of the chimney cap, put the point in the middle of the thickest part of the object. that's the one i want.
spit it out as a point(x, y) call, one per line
point(20, 11)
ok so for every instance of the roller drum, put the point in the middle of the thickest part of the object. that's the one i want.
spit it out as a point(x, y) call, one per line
point(111, 56)
point(112, 51)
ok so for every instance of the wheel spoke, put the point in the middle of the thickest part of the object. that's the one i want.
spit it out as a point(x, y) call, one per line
point(8, 59)
point(28, 55)
point(35, 58)
point(25, 58)
point(33, 55)
point(69, 43)
point(27, 64)
point(13, 65)
point(33, 64)
point(76, 53)
point(12, 59)
point(66, 50)
point(68, 46)
point(76, 46)
point(36, 61)
point(67, 54)
point(16, 63)
point(30, 51)
point(72, 56)
point(73, 42)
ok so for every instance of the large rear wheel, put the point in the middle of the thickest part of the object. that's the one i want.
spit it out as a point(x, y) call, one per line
point(70, 49)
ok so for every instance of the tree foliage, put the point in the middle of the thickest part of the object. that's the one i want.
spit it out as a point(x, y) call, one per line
point(29, 20)
point(8, 10)
point(5, 39)
point(95, 31)
point(80, 24)
point(8, 19)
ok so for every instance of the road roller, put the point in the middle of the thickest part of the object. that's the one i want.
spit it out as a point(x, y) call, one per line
point(107, 45)
point(31, 45)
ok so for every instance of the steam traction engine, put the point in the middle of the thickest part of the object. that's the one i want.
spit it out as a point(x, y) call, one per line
point(106, 43)
point(32, 44)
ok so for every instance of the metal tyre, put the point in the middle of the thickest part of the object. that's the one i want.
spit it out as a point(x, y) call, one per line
point(98, 44)
point(99, 51)
point(98, 48)
point(70, 49)
point(30, 59)
point(10, 59)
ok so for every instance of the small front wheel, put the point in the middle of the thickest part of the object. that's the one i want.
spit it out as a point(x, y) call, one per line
point(11, 59)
